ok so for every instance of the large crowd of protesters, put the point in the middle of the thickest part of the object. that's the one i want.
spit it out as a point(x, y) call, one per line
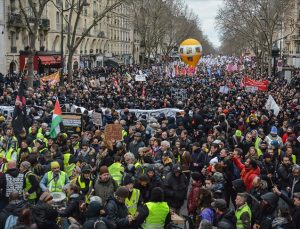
point(224, 162)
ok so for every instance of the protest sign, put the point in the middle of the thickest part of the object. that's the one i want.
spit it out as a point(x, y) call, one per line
point(224, 90)
point(113, 132)
point(72, 123)
point(97, 118)
point(272, 105)
point(141, 78)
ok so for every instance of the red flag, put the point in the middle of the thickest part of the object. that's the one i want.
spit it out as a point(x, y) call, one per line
point(261, 85)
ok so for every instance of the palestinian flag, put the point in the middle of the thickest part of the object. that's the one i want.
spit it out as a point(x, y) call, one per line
point(19, 115)
point(56, 120)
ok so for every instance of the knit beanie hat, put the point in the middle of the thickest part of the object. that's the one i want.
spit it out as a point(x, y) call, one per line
point(127, 179)
point(205, 224)
point(122, 192)
point(157, 195)
point(54, 165)
point(103, 169)
point(26, 165)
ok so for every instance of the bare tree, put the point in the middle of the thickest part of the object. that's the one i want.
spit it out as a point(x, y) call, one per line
point(75, 12)
point(32, 14)
point(256, 22)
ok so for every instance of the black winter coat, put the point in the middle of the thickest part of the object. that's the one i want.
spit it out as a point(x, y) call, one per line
point(175, 189)
point(227, 220)
point(13, 208)
point(72, 209)
point(44, 216)
point(117, 212)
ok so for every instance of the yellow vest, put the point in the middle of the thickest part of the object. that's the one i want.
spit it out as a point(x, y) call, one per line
point(28, 185)
point(68, 168)
point(131, 203)
point(241, 210)
point(82, 186)
point(56, 186)
point(157, 215)
point(115, 171)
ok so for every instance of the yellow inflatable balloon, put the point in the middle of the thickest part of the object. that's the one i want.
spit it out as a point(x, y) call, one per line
point(190, 51)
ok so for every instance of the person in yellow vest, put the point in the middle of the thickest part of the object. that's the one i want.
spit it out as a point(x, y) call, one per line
point(69, 163)
point(9, 152)
point(40, 145)
point(243, 212)
point(23, 151)
point(116, 169)
point(85, 182)
point(156, 213)
point(54, 180)
point(134, 200)
point(11, 140)
point(3, 166)
point(31, 182)
point(75, 140)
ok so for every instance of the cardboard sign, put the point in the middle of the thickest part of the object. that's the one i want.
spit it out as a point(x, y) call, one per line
point(72, 123)
point(97, 118)
point(113, 131)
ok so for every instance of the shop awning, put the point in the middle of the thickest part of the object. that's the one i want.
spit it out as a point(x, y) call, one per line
point(50, 60)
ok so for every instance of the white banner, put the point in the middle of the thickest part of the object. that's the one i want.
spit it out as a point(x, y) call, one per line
point(272, 105)
point(169, 112)
point(141, 77)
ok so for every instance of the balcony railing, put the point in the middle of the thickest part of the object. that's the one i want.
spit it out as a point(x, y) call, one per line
point(45, 24)
point(15, 20)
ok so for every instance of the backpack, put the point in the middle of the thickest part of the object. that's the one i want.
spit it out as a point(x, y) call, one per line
point(100, 224)
point(11, 221)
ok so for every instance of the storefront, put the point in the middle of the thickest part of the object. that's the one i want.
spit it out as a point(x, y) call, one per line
point(43, 62)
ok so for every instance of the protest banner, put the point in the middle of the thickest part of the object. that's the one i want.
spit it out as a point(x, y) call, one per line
point(51, 79)
point(261, 85)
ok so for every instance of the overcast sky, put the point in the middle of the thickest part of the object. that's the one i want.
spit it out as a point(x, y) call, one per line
point(207, 10)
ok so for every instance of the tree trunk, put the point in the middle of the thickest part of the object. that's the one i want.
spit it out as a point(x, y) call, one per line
point(69, 67)
point(29, 63)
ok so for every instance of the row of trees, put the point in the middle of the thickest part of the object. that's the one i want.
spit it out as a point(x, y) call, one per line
point(255, 24)
point(161, 24)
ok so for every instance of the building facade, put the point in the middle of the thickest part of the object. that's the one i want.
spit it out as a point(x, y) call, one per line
point(112, 38)
point(290, 32)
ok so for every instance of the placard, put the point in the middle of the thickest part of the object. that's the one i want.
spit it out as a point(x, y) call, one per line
point(113, 131)
point(72, 123)
point(97, 118)
point(141, 78)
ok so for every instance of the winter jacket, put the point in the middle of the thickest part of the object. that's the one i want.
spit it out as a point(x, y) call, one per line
point(193, 198)
point(105, 189)
point(134, 147)
point(118, 213)
point(72, 209)
point(227, 220)
point(247, 174)
point(44, 216)
point(284, 174)
point(13, 208)
point(175, 189)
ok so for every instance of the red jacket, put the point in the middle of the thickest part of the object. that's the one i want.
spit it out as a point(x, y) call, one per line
point(193, 198)
point(247, 174)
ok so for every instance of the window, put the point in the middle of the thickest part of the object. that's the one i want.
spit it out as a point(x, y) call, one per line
point(298, 48)
point(13, 42)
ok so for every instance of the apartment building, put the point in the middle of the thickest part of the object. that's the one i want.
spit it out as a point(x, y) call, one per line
point(112, 38)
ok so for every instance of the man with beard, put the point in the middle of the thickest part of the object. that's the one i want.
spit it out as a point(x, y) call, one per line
point(136, 144)
point(284, 174)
